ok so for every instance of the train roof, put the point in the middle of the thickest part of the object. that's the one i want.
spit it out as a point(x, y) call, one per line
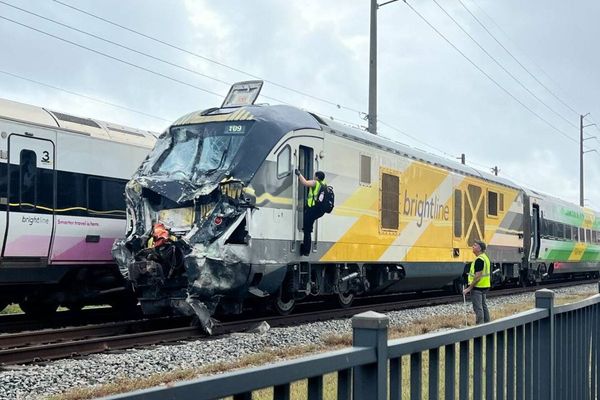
point(40, 116)
point(399, 148)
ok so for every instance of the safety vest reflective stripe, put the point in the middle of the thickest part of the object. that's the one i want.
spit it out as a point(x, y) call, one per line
point(485, 281)
point(313, 192)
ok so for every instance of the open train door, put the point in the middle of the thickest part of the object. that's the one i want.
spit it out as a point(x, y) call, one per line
point(30, 196)
point(307, 153)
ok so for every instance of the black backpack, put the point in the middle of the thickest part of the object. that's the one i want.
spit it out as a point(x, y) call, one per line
point(325, 199)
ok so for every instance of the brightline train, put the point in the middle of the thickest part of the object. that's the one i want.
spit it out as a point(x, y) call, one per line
point(62, 206)
point(221, 180)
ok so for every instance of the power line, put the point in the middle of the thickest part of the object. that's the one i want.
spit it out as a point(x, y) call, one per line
point(173, 46)
point(114, 43)
point(488, 76)
point(112, 57)
point(501, 66)
point(129, 48)
point(85, 96)
point(536, 65)
point(414, 138)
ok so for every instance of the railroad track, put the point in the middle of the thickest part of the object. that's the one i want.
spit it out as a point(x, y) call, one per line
point(21, 322)
point(49, 344)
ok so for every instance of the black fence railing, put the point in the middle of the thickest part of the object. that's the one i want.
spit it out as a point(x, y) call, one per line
point(546, 353)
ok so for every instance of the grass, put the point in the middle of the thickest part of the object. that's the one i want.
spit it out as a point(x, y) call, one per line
point(331, 342)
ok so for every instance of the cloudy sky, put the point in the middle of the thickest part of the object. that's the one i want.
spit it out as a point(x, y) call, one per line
point(515, 107)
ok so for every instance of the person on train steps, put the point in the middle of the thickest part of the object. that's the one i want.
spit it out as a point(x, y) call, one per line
point(311, 211)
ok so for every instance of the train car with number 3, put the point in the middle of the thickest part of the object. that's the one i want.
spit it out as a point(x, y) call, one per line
point(221, 182)
point(62, 180)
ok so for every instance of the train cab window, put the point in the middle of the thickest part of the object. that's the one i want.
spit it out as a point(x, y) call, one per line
point(27, 180)
point(283, 162)
point(458, 213)
point(106, 197)
point(390, 201)
point(588, 236)
point(365, 169)
point(492, 204)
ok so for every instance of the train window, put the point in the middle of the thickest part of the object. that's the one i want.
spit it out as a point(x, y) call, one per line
point(595, 238)
point(27, 180)
point(568, 232)
point(551, 228)
point(560, 230)
point(588, 236)
point(106, 197)
point(492, 204)
point(575, 233)
point(390, 201)
point(71, 193)
point(458, 213)
point(283, 162)
point(501, 202)
point(581, 235)
point(365, 169)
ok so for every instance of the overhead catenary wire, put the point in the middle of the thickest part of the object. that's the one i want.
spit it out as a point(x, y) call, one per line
point(134, 51)
point(502, 66)
point(488, 75)
point(536, 65)
point(85, 96)
point(512, 55)
point(130, 48)
point(195, 54)
point(111, 57)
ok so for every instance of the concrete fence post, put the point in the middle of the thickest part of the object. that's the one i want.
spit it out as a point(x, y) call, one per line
point(370, 329)
point(544, 298)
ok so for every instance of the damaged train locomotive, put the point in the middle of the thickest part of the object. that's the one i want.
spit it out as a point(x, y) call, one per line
point(215, 216)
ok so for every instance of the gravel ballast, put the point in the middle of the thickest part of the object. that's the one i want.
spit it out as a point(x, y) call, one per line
point(37, 381)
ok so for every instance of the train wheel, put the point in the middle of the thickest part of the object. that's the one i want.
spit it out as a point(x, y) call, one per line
point(345, 299)
point(283, 304)
point(38, 308)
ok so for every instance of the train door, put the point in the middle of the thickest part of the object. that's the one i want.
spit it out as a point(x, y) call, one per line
point(535, 231)
point(306, 157)
point(30, 197)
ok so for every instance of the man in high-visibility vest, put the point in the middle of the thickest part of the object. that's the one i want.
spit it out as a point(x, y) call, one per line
point(479, 279)
point(311, 211)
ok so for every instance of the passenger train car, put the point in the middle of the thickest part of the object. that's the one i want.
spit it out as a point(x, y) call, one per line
point(221, 180)
point(62, 181)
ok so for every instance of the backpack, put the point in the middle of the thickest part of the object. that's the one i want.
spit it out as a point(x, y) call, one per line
point(325, 199)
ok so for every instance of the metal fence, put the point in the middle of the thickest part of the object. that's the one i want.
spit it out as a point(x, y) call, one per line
point(546, 353)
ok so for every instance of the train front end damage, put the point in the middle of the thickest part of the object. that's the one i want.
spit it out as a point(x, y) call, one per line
point(184, 204)
point(188, 248)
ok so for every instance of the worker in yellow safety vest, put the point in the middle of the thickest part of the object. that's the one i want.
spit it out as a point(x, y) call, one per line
point(311, 211)
point(479, 279)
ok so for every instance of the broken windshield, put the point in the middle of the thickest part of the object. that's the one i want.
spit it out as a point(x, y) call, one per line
point(202, 148)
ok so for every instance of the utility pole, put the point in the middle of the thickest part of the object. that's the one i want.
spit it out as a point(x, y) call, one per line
point(372, 116)
point(581, 153)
